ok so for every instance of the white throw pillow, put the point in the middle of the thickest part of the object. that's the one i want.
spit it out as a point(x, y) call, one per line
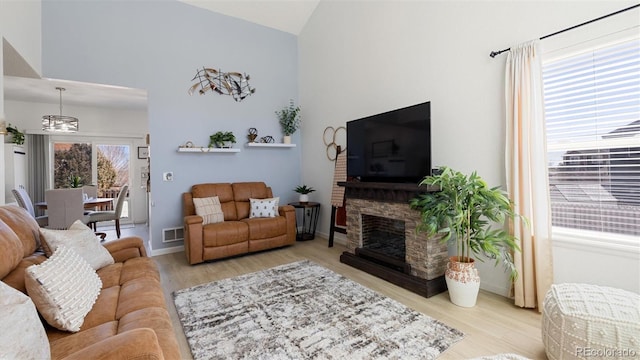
point(210, 210)
point(23, 336)
point(63, 288)
point(80, 238)
point(79, 225)
point(261, 208)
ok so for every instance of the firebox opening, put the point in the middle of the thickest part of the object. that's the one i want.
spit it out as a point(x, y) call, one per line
point(384, 236)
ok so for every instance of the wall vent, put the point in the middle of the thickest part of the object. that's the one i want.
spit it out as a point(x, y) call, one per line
point(172, 234)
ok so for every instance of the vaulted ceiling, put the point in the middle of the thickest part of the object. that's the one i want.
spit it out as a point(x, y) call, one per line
point(289, 16)
point(21, 82)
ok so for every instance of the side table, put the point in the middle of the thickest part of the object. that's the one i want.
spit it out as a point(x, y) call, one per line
point(310, 213)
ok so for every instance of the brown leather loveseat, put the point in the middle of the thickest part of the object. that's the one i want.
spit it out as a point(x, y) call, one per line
point(239, 233)
point(129, 319)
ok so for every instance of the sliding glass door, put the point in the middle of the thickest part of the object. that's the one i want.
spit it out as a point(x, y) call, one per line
point(112, 169)
point(106, 164)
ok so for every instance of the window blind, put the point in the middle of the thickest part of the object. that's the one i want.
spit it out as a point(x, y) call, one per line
point(592, 110)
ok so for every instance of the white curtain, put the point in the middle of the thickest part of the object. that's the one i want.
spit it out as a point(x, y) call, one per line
point(526, 167)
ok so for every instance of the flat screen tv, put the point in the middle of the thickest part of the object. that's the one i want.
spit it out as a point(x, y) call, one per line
point(394, 146)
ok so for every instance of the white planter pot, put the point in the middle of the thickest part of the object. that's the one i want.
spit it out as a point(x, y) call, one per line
point(224, 145)
point(304, 198)
point(463, 282)
point(286, 139)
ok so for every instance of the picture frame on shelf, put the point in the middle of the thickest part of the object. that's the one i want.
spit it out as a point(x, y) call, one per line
point(143, 152)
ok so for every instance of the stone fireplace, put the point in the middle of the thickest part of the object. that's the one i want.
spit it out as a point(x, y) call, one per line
point(382, 238)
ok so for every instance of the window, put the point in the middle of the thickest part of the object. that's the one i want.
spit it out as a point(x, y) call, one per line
point(71, 164)
point(112, 167)
point(102, 162)
point(592, 109)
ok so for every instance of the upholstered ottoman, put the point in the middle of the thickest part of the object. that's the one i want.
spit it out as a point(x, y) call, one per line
point(581, 321)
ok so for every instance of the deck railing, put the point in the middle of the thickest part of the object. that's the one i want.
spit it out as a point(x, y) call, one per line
point(110, 193)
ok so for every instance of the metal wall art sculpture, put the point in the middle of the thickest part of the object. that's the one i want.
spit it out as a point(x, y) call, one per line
point(224, 83)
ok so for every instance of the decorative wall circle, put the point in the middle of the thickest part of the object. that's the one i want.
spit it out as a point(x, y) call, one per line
point(329, 137)
point(330, 130)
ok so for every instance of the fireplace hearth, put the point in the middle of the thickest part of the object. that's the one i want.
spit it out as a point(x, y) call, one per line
point(382, 240)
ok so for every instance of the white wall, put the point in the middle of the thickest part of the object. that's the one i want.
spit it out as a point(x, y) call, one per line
point(129, 125)
point(363, 58)
point(21, 26)
point(599, 264)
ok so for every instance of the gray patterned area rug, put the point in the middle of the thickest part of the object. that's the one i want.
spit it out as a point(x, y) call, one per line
point(304, 311)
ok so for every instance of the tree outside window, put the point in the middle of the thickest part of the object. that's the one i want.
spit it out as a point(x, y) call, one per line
point(71, 161)
point(73, 167)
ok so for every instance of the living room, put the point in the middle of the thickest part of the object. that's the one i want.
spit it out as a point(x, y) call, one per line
point(350, 60)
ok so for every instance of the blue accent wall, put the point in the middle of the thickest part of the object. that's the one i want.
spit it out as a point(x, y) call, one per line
point(158, 46)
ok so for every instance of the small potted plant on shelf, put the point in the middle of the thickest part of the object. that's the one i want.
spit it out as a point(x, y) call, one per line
point(222, 139)
point(17, 137)
point(304, 192)
point(289, 118)
point(464, 208)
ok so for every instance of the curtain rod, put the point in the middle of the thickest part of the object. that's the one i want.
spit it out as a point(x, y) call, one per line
point(494, 53)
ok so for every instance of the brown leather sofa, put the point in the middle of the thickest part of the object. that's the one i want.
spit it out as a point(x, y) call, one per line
point(237, 234)
point(128, 320)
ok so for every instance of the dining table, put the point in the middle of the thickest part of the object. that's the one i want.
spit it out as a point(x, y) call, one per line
point(89, 203)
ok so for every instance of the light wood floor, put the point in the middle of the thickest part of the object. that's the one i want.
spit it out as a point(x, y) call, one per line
point(493, 326)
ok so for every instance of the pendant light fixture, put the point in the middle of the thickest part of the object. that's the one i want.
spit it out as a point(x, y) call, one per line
point(59, 123)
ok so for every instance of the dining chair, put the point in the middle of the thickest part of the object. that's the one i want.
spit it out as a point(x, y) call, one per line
point(24, 201)
point(64, 206)
point(100, 216)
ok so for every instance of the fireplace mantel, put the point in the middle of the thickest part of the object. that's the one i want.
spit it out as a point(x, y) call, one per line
point(389, 192)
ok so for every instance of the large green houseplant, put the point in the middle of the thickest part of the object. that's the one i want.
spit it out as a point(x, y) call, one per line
point(464, 211)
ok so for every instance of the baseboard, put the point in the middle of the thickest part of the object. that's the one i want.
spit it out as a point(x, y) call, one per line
point(338, 238)
point(495, 289)
point(169, 250)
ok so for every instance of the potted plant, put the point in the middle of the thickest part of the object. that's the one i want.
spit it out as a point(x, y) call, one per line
point(17, 137)
point(462, 211)
point(289, 118)
point(304, 192)
point(75, 181)
point(222, 139)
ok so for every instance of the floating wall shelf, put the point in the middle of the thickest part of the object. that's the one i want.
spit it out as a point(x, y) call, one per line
point(207, 150)
point(271, 145)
